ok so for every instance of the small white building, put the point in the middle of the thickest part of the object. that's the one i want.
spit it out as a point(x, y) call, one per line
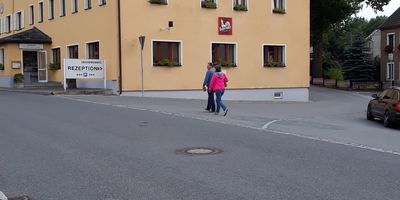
point(373, 42)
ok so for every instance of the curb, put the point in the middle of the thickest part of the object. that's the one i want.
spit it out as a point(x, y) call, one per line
point(2, 196)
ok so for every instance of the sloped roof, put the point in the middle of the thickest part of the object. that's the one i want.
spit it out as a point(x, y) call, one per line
point(33, 35)
point(392, 22)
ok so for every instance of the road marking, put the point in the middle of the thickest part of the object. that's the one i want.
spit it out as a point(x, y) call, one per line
point(2, 196)
point(265, 128)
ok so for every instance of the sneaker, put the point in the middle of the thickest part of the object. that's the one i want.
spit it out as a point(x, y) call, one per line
point(226, 112)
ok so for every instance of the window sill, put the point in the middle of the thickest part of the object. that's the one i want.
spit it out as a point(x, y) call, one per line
point(158, 2)
point(102, 4)
point(62, 15)
point(88, 8)
point(74, 12)
point(155, 65)
point(279, 66)
point(279, 11)
point(51, 18)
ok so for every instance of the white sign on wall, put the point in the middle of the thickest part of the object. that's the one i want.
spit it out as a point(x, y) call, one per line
point(31, 46)
point(84, 69)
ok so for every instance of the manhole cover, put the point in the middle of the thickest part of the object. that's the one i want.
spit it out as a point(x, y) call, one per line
point(194, 151)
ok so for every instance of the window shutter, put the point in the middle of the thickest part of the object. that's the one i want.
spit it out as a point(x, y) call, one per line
point(22, 19)
point(86, 4)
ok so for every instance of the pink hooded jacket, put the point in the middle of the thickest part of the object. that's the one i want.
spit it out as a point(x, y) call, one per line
point(218, 81)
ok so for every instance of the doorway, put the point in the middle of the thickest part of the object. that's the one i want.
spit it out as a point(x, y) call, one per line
point(35, 66)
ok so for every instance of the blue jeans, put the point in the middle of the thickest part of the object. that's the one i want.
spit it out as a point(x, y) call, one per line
point(220, 104)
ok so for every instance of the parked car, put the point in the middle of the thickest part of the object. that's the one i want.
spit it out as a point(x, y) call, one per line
point(385, 106)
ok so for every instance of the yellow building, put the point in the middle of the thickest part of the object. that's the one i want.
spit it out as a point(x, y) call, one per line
point(263, 45)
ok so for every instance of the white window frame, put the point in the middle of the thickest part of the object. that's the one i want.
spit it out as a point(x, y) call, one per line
point(102, 2)
point(273, 6)
point(19, 24)
point(86, 4)
point(236, 53)
point(8, 24)
point(67, 50)
point(216, 2)
point(1, 25)
point(40, 12)
point(52, 56)
point(31, 14)
point(394, 40)
point(278, 45)
point(87, 49)
point(180, 49)
point(233, 4)
point(63, 8)
point(388, 70)
point(74, 4)
point(2, 56)
point(51, 13)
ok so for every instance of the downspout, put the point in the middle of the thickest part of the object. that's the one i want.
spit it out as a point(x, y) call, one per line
point(119, 48)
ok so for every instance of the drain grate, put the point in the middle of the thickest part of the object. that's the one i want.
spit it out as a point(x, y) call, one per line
point(199, 151)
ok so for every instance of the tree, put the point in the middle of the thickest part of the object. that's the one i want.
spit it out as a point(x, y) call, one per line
point(325, 13)
point(358, 65)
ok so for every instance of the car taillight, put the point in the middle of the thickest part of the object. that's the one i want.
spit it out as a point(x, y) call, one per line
point(398, 107)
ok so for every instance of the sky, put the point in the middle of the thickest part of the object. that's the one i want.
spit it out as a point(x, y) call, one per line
point(368, 13)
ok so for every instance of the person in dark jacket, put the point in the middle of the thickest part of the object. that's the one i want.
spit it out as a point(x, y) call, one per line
point(206, 84)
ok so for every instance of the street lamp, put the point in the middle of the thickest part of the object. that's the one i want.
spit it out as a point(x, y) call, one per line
point(142, 40)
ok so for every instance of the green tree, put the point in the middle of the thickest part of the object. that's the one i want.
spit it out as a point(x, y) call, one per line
point(358, 65)
point(325, 13)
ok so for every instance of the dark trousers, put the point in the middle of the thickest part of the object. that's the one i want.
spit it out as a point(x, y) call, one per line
point(211, 102)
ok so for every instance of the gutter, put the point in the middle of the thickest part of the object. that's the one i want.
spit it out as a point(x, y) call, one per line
point(119, 48)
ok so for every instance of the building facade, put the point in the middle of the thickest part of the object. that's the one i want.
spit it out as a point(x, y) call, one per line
point(390, 48)
point(263, 45)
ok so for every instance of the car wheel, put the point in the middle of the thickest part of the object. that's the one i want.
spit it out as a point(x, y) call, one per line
point(386, 120)
point(370, 116)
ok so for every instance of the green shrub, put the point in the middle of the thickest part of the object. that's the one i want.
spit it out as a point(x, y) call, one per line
point(18, 78)
point(240, 7)
point(209, 4)
point(334, 73)
point(55, 66)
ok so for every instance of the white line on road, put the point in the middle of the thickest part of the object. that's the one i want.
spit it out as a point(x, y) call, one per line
point(264, 128)
point(2, 196)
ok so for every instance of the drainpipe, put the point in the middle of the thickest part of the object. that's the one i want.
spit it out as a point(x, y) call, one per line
point(119, 48)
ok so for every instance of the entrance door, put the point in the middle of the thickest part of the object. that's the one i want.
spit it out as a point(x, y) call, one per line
point(42, 67)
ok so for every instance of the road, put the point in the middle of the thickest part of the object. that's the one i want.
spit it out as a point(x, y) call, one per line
point(55, 147)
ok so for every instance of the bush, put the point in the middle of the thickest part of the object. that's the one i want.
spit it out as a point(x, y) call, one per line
point(55, 66)
point(334, 73)
point(18, 78)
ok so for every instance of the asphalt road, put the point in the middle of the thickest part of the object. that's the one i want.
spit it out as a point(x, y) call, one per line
point(57, 148)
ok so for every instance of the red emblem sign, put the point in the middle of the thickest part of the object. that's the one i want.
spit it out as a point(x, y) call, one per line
point(225, 25)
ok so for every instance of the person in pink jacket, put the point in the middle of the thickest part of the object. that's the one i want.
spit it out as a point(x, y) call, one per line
point(218, 83)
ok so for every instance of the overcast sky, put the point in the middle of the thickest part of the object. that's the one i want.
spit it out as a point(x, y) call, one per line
point(368, 13)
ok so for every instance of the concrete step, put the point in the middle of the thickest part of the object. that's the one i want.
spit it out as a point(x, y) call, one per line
point(43, 85)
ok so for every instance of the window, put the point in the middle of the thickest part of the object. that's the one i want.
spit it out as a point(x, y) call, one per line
point(212, 4)
point(391, 38)
point(62, 8)
point(31, 15)
point(274, 56)
point(102, 2)
point(279, 6)
point(224, 54)
point(55, 59)
point(40, 12)
point(73, 52)
point(74, 6)
point(88, 4)
point(166, 53)
point(1, 59)
point(240, 5)
point(93, 51)
point(1, 25)
point(19, 20)
point(390, 71)
point(7, 24)
point(51, 9)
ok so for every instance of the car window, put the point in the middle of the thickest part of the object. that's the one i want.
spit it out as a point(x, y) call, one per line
point(390, 94)
point(395, 95)
point(384, 93)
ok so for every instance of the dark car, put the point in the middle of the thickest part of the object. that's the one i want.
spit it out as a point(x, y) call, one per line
point(385, 106)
